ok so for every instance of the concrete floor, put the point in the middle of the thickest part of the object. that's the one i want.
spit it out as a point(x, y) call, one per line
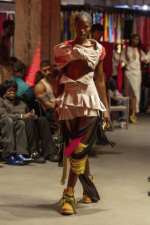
point(28, 195)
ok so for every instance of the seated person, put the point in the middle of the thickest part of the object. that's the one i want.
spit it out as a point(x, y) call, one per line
point(24, 92)
point(13, 113)
point(42, 146)
point(44, 94)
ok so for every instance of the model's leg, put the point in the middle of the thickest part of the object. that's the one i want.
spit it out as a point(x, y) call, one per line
point(79, 165)
point(89, 125)
point(68, 200)
point(133, 102)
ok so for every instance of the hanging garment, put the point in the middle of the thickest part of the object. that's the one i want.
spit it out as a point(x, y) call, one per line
point(140, 27)
point(128, 27)
point(108, 59)
point(119, 78)
point(34, 67)
point(118, 40)
point(146, 31)
point(106, 34)
point(110, 28)
point(3, 17)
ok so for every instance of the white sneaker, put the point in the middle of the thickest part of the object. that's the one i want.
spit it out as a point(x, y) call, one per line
point(123, 124)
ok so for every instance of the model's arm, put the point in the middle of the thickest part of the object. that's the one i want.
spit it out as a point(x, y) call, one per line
point(101, 87)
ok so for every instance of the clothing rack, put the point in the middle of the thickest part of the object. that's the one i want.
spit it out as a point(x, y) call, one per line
point(7, 12)
point(103, 9)
point(118, 23)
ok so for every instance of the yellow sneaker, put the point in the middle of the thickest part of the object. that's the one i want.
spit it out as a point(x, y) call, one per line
point(86, 199)
point(67, 203)
point(133, 119)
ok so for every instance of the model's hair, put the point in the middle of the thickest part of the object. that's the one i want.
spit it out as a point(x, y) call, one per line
point(97, 27)
point(6, 85)
point(82, 14)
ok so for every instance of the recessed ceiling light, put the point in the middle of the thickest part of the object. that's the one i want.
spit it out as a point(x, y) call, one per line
point(145, 7)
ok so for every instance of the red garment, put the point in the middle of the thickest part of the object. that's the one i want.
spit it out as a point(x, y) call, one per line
point(3, 17)
point(146, 40)
point(143, 29)
point(119, 78)
point(35, 66)
point(107, 63)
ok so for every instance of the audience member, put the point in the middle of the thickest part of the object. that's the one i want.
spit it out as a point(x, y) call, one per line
point(13, 113)
point(46, 101)
point(24, 92)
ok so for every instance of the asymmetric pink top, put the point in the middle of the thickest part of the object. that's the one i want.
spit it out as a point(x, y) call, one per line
point(80, 97)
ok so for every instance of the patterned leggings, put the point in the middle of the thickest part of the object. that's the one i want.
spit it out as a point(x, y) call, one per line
point(85, 129)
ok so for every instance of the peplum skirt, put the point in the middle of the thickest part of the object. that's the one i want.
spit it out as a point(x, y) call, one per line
point(78, 100)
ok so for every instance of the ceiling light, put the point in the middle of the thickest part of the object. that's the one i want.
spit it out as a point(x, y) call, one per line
point(145, 7)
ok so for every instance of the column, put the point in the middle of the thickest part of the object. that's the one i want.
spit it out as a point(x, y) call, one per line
point(50, 27)
point(37, 21)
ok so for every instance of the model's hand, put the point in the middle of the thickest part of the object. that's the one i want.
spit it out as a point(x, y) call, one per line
point(106, 116)
point(106, 120)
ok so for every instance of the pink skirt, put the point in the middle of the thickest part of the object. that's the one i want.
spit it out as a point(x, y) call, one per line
point(78, 100)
